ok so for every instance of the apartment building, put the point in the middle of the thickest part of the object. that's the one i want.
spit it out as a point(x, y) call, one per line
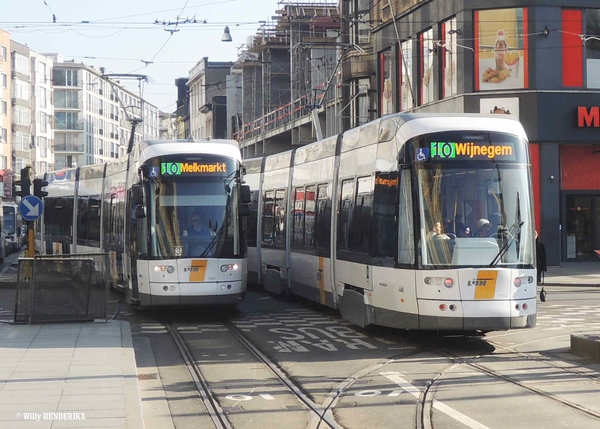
point(5, 112)
point(42, 139)
point(92, 115)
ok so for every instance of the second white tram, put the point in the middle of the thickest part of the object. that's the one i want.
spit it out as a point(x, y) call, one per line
point(138, 210)
point(383, 221)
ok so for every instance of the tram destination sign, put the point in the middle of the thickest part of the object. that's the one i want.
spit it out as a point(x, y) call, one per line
point(192, 168)
point(447, 150)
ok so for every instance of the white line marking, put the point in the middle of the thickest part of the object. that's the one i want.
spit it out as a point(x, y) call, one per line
point(456, 415)
point(266, 396)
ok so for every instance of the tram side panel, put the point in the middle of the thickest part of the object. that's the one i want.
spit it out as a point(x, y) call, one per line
point(274, 224)
point(59, 212)
point(113, 221)
point(88, 227)
point(353, 271)
point(253, 178)
point(312, 191)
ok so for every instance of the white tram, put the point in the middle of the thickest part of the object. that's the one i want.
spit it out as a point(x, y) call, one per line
point(139, 208)
point(383, 221)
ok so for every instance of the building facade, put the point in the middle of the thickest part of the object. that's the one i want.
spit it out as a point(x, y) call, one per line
point(5, 112)
point(537, 60)
point(42, 139)
point(207, 90)
point(21, 102)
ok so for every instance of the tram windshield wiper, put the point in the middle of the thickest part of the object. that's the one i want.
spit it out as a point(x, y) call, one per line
point(513, 232)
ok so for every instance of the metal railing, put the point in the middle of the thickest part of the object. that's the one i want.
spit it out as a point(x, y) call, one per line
point(58, 288)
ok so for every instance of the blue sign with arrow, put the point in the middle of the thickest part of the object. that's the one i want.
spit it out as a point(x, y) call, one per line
point(31, 208)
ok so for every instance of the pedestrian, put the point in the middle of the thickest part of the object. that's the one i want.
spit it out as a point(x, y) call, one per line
point(540, 251)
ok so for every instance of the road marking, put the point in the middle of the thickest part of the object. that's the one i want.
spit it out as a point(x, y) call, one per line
point(456, 415)
point(266, 396)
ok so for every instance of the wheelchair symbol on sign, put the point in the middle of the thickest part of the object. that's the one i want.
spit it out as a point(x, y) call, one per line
point(422, 154)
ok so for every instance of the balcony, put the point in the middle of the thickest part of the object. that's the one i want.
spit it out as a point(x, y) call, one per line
point(68, 147)
point(69, 126)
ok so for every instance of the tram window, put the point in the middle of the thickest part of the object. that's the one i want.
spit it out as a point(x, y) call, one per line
point(323, 217)
point(309, 217)
point(346, 215)
point(252, 221)
point(267, 224)
point(385, 201)
point(406, 239)
point(58, 219)
point(298, 228)
point(88, 224)
point(363, 215)
point(279, 218)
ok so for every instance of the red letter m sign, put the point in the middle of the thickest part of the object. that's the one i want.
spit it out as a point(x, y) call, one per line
point(588, 119)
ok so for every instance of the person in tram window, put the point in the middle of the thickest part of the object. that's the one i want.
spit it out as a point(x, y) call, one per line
point(483, 228)
point(198, 228)
point(437, 232)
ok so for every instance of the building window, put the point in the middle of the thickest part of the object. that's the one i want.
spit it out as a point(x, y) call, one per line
point(22, 116)
point(64, 77)
point(4, 135)
point(3, 53)
point(20, 90)
point(4, 80)
point(427, 77)
point(359, 105)
point(3, 108)
point(22, 141)
point(449, 58)
point(407, 99)
point(21, 64)
point(592, 47)
point(386, 83)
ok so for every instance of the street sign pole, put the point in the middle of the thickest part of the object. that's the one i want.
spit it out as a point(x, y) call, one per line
point(30, 240)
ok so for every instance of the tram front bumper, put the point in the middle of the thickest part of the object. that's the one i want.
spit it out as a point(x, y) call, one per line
point(477, 315)
point(226, 293)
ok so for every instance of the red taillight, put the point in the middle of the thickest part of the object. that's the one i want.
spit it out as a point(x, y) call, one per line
point(517, 307)
point(443, 307)
point(452, 307)
point(524, 306)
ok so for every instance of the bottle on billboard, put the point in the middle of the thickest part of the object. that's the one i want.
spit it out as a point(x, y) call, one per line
point(500, 49)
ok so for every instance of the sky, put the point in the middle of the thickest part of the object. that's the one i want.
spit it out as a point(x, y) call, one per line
point(128, 36)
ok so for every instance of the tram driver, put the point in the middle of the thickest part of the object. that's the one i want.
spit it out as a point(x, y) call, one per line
point(198, 227)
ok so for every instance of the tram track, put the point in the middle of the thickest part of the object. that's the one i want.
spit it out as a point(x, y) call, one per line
point(427, 401)
point(319, 415)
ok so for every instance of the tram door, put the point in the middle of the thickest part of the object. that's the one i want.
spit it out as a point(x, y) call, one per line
point(582, 226)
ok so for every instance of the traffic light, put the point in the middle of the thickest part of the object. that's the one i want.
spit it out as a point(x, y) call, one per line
point(38, 184)
point(24, 183)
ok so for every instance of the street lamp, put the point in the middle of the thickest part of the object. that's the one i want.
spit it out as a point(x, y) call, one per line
point(226, 35)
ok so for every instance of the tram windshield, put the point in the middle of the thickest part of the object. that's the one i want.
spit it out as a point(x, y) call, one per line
point(194, 213)
point(474, 200)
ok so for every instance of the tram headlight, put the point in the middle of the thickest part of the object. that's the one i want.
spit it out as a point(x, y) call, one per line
point(229, 267)
point(448, 283)
point(517, 281)
point(168, 268)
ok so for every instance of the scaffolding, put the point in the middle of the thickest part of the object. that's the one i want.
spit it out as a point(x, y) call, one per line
point(289, 67)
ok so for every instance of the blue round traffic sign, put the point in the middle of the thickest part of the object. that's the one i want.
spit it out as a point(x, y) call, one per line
point(31, 208)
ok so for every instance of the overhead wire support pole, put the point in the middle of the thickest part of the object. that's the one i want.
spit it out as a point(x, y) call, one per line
point(134, 121)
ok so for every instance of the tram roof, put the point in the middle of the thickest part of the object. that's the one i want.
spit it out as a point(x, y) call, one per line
point(152, 148)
